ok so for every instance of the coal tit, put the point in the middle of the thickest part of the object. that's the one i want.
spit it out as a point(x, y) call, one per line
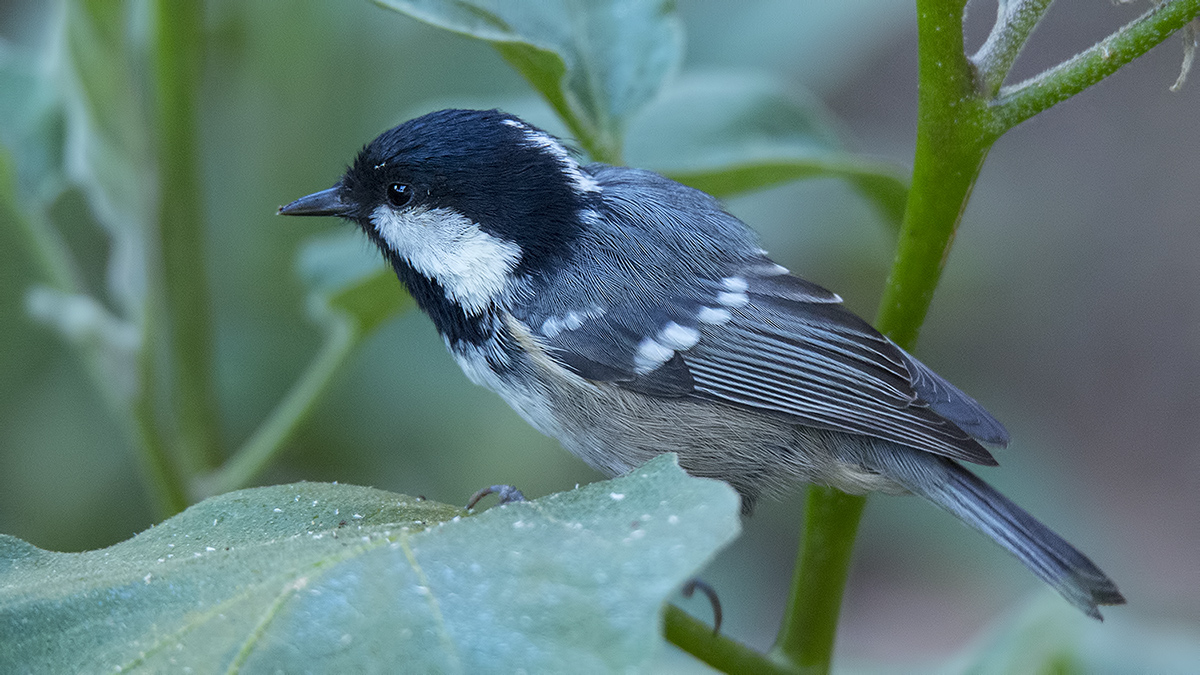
point(627, 315)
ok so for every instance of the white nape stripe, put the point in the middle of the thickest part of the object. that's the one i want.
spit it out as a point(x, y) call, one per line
point(679, 338)
point(714, 315)
point(650, 355)
point(570, 168)
point(472, 266)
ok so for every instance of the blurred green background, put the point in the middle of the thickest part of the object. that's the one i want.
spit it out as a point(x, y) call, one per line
point(1070, 307)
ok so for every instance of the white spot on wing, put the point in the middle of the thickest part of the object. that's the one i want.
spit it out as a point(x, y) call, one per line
point(554, 325)
point(471, 265)
point(733, 299)
point(650, 355)
point(678, 337)
point(714, 315)
point(735, 284)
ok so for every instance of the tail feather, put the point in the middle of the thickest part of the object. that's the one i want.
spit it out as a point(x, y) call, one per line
point(957, 490)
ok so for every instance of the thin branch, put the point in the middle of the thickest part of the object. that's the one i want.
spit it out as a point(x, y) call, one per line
point(1191, 40)
point(1015, 21)
point(1019, 102)
point(250, 460)
point(725, 654)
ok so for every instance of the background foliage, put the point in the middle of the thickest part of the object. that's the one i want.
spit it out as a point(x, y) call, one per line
point(1069, 308)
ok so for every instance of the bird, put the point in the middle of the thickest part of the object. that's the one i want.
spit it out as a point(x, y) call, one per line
point(627, 315)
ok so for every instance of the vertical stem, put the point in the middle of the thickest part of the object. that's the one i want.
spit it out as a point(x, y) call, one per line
point(953, 137)
point(806, 636)
point(166, 483)
point(179, 26)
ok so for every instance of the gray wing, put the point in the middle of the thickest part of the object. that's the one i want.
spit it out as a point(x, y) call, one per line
point(767, 341)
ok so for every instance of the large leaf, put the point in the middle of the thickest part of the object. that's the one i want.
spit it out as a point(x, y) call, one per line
point(727, 133)
point(327, 578)
point(596, 62)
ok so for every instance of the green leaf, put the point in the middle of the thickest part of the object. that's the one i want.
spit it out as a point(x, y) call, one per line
point(107, 141)
point(31, 126)
point(728, 133)
point(347, 280)
point(1049, 636)
point(597, 62)
point(327, 578)
point(83, 321)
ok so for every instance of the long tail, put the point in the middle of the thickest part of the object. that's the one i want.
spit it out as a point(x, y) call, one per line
point(962, 493)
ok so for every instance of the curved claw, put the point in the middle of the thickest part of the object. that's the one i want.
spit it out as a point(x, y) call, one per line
point(695, 584)
point(507, 494)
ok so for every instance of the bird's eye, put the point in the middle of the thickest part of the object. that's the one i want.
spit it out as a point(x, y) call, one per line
point(398, 194)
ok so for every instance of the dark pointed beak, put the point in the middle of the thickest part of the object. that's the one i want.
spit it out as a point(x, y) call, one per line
point(324, 203)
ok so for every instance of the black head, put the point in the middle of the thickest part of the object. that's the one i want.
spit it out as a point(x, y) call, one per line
point(465, 204)
point(511, 179)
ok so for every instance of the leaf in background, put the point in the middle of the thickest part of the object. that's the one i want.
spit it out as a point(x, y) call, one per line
point(347, 278)
point(83, 321)
point(329, 578)
point(31, 125)
point(597, 62)
point(727, 133)
point(1050, 636)
point(108, 142)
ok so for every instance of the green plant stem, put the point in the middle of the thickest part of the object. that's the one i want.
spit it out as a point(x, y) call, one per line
point(178, 58)
point(952, 142)
point(1021, 101)
point(953, 139)
point(725, 654)
point(806, 635)
point(250, 460)
point(165, 481)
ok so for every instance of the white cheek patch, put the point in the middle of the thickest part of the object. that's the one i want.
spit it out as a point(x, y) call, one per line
point(472, 266)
